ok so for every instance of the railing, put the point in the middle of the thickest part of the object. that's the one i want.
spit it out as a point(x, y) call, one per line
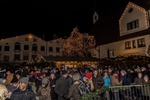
point(129, 92)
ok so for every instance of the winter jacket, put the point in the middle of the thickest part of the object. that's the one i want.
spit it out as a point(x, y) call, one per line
point(107, 81)
point(44, 93)
point(23, 95)
point(73, 93)
point(61, 88)
point(97, 81)
point(115, 82)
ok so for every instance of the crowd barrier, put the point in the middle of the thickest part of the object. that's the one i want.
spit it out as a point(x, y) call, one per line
point(128, 92)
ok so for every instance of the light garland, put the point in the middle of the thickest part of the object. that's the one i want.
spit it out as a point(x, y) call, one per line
point(78, 44)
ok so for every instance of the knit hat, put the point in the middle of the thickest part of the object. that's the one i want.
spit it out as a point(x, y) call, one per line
point(45, 81)
point(76, 77)
point(24, 80)
point(88, 75)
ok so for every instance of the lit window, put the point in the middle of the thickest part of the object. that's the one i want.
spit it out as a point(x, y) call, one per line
point(127, 45)
point(141, 42)
point(132, 25)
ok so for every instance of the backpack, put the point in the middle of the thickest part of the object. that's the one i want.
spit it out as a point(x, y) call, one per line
point(83, 88)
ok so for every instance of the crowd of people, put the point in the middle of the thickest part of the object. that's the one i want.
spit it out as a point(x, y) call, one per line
point(51, 83)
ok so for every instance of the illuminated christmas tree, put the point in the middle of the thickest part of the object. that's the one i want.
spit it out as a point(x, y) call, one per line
point(78, 44)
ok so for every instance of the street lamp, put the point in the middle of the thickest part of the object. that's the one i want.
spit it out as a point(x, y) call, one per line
point(98, 49)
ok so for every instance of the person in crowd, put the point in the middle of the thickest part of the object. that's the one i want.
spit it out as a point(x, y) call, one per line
point(74, 93)
point(9, 76)
point(57, 73)
point(106, 79)
point(115, 82)
point(23, 92)
point(69, 78)
point(124, 78)
point(18, 75)
point(32, 84)
point(139, 80)
point(146, 88)
point(44, 90)
point(12, 86)
point(88, 81)
point(62, 86)
point(97, 80)
point(3, 92)
point(52, 85)
point(2, 76)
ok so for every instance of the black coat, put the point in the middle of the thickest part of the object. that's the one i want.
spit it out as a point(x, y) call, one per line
point(23, 95)
point(61, 88)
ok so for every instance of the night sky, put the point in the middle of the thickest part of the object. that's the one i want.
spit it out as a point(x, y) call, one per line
point(54, 16)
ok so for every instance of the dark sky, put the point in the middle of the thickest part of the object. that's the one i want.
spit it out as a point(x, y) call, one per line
point(53, 16)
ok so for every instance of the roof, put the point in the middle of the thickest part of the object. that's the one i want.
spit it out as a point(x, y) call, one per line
point(45, 37)
point(106, 30)
point(142, 3)
point(58, 58)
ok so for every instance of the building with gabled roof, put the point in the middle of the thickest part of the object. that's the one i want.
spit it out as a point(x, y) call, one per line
point(133, 32)
point(28, 46)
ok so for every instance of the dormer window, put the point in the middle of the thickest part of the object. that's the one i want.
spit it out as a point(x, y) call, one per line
point(130, 10)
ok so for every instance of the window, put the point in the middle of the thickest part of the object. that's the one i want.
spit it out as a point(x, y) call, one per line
point(26, 47)
point(127, 45)
point(34, 47)
point(6, 48)
point(57, 49)
point(34, 40)
point(134, 44)
point(130, 10)
point(141, 42)
point(26, 39)
point(16, 57)
point(132, 25)
point(42, 48)
point(0, 48)
point(34, 56)
point(6, 58)
point(25, 57)
point(17, 46)
point(50, 49)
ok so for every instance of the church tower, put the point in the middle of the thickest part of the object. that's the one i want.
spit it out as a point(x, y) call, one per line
point(95, 14)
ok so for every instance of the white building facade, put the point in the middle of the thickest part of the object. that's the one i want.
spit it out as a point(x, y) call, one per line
point(134, 34)
point(25, 47)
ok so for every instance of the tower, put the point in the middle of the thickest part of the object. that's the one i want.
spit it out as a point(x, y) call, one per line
point(95, 14)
